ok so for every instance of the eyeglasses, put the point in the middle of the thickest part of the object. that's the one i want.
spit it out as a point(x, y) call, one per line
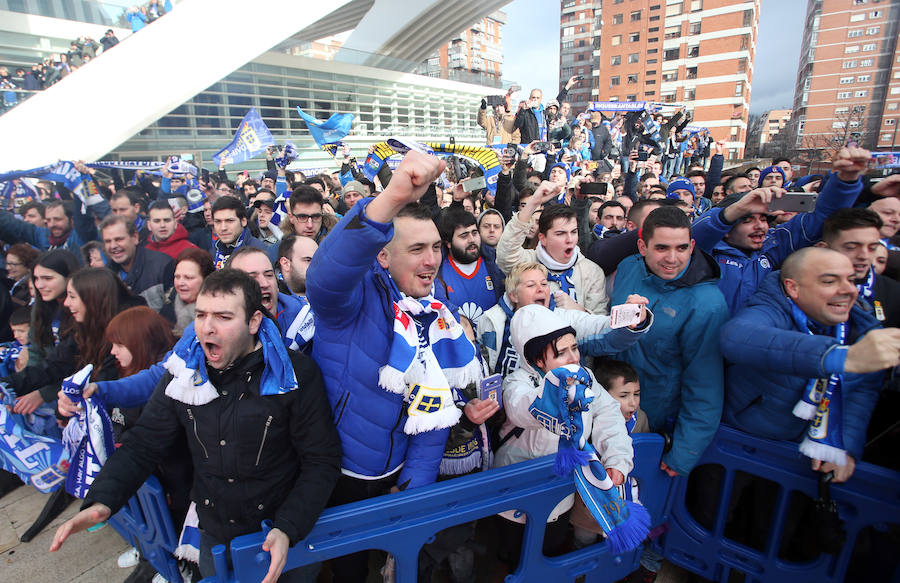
point(14, 264)
point(224, 189)
point(304, 218)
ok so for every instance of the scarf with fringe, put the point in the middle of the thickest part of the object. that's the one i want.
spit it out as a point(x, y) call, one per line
point(561, 407)
point(429, 354)
point(187, 363)
point(822, 405)
point(89, 437)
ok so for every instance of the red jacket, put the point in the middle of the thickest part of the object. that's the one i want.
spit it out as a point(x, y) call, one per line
point(172, 246)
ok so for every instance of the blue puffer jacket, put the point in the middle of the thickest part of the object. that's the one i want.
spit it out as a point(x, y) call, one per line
point(771, 361)
point(354, 329)
point(678, 360)
point(742, 274)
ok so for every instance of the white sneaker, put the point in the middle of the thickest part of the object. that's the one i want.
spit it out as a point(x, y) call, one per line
point(159, 579)
point(128, 559)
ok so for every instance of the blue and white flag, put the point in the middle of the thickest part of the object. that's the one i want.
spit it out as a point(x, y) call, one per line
point(16, 192)
point(617, 106)
point(89, 437)
point(251, 138)
point(332, 130)
point(38, 460)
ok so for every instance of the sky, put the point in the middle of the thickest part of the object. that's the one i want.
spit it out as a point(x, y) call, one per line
point(531, 49)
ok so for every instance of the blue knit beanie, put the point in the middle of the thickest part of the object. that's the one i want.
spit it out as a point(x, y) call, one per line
point(680, 184)
point(564, 167)
point(768, 171)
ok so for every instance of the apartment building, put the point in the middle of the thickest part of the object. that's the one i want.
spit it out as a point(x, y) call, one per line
point(848, 82)
point(696, 52)
point(475, 55)
point(579, 48)
point(768, 126)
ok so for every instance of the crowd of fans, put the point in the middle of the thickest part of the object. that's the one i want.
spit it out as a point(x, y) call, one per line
point(334, 332)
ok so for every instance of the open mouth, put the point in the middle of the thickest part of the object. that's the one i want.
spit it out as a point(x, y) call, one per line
point(267, 300)
point(213, 351)
point(426, 278)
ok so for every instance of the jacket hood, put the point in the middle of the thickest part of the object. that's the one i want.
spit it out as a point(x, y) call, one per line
point(179, 235)
point(702, 268)
point(530, 322)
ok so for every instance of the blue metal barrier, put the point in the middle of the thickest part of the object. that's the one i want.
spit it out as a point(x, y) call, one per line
point(145, 522)
point(401, 523)
point(870, 498)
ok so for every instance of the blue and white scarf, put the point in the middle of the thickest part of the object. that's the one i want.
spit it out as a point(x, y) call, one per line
point(221, 248)
point(867, 288)
point(561, 273)
point(562, 407)
point(822, 405)
point(288, 155)
point(190, 383)
point(89, 437)
point(430, 353)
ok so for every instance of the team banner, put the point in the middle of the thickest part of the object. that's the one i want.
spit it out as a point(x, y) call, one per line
point(176, 166)
point(886, 159)
point(486, 157)
point(251, 138)
point(37, 459)
point(330, 131)
point(15, 193)
point(617, 106)
point(695, 129)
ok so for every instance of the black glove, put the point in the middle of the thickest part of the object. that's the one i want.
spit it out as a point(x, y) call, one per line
point(483, 103)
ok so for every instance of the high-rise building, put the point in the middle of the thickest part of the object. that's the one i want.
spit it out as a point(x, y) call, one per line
point(696, 52)
point(475, 55)
point(766, 130)
point(848, 82)
point(579, 44)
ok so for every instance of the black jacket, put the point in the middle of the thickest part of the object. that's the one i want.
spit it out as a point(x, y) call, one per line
point(255, 458)
point(152, 273)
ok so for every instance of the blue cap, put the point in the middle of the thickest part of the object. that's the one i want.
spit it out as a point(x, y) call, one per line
point(770, 170)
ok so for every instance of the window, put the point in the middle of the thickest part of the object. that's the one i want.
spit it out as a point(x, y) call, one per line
point(651, 61)
point(739, 88)
point(618, 1)
point(632, 79)
point(657, 7)
point(650, 82)
point(634, 37)
point(651, 73)
point(861, 93)
point(895, 90)
point(843, 95)
point(616, 60)
point(668, 97)
point(631, 98)
point(893, 106)
point(855, 33)
point(863, 78)
point(745, 42)
point(673, 32)
point(742, 65)
point(859, 17)
point(748, 17)
point(890, 122)
point(674, 9)
point(580, 57)
point(652, 51)
point(690, 94)
point(875, 14)
point(846, 80)
point(696, 5)
point(869, 46)
point(636, 16)
point(885, 137)
point(851, 49)
point(693, 51)
point(691, 73)
point(841, 110)
point(850, 64)
point(867, 62)
point(567, 44)
point(694, 28)
point(654, 18)
point(616, 40)
point(873, 30)
point(838, 125)
point(569, 31)
point(653, 29)
point(633, 58)
point(859, 109)
point(672, 54)
point(670, 76)
point(653, 39)
point(614, 80)
point(618, 18)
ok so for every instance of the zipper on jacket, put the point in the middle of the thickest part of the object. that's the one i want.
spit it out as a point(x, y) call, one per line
point(341, 404)
point(196, 434)
point(387, 463)
point(265, 433)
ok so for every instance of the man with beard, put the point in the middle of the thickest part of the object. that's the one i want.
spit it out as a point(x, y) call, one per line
point(64, 230)
point(737, 234)
point(472, 281)
point(294, 256)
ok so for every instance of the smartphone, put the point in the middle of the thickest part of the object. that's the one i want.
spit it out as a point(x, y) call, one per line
point(795, 202)
point(511, 150)
point(491, 388)
point(579, 77)
point(474, 184)
point(643, 156)
point(543, 147)
point(495, 100)
point(204, 175)
point(594, 188)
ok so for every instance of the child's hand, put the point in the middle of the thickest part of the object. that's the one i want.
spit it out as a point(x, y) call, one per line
point(616, 476)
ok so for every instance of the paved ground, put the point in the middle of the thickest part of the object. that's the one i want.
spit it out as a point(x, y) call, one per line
point(85, 558)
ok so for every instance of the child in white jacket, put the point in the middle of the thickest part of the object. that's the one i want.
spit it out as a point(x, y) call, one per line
point(546, 341)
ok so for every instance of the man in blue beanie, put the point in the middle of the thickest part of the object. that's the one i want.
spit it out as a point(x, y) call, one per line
point(772, 176)
point(681, 189)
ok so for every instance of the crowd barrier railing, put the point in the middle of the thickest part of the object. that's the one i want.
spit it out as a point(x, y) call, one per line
point(401, 523)
point(870, 498)
point(145, 522)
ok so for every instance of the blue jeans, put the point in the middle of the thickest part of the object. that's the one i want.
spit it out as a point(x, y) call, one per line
point(305, 574)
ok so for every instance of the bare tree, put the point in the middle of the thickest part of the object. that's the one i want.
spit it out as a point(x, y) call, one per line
point(851, 126)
